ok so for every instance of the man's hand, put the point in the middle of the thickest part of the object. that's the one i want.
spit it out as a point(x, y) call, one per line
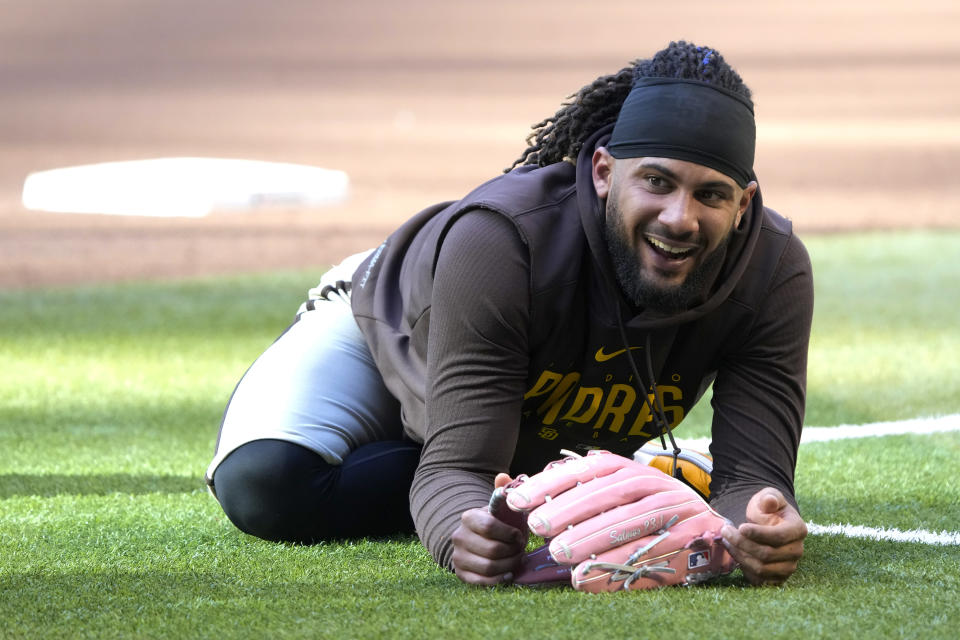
point(486, 551)
point(769, 544)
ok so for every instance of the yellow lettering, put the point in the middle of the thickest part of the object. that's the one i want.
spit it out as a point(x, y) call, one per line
point(556, 390)
point(614, 409)
point(555, 400)
point(548, 380)
point(577, 412)
point(673, 412)
point(548, 434)
point(643, 417)
point(676, 394)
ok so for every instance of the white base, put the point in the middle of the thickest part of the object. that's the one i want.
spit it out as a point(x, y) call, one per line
point(182, 187)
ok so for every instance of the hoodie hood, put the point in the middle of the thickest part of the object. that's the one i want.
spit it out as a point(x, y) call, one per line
point(593, 217)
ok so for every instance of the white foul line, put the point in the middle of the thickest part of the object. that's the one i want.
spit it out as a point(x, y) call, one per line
point(915, 426)
point(890, 535)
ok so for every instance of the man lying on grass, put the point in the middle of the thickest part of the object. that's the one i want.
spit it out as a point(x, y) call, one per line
point(584, 300)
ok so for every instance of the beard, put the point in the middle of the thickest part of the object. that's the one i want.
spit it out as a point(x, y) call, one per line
point(641, 289)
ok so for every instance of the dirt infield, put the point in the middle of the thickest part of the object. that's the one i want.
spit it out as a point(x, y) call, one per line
point(858, 108)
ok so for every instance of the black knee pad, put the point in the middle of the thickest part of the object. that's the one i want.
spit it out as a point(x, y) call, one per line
point(276, 490)
point(280, 491)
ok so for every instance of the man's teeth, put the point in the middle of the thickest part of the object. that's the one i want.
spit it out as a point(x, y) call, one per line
point(676, 251)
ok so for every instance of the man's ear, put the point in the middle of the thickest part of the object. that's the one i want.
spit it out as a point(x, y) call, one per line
point(748, 192)
point(602, 171)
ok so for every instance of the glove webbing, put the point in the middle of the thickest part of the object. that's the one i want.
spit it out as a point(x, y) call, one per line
point(626, 571)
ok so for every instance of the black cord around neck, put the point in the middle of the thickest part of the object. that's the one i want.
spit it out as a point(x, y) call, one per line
point(656, 409)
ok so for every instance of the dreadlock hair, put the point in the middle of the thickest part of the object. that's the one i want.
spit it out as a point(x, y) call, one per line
point(559, 137)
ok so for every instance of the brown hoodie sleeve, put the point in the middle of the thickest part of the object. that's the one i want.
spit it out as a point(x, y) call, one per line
point(759, 393)
point(476, 371)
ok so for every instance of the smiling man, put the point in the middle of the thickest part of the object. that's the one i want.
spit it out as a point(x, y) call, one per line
point(668, 248)
point(585, 300)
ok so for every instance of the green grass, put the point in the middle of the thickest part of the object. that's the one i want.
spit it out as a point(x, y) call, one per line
point(885, 343)
point(110, 398)
point(885, 325)
point(896, 481)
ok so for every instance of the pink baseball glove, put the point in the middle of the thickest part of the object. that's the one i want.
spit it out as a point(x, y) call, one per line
point(613, 523)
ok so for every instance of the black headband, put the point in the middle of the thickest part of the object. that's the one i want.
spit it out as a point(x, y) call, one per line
point(687, 120)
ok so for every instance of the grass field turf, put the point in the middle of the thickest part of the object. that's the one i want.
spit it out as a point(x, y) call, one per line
point(110, 397)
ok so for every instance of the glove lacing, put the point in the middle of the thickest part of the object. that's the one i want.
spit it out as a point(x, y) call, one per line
point(626, 571)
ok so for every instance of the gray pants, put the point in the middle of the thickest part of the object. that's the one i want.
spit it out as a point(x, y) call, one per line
point(316, 385)
point(308, 415)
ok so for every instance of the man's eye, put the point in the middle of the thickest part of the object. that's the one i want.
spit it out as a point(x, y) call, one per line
point(655, 181)
point(712, 196)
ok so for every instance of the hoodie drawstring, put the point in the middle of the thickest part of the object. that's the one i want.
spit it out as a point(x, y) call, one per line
point(656, 409)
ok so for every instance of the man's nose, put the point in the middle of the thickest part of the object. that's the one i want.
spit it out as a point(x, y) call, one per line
point(679, 214)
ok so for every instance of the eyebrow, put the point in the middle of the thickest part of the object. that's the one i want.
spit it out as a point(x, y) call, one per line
point(712, 184)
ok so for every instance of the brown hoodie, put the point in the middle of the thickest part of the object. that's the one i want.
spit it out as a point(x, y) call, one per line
point(496, 322)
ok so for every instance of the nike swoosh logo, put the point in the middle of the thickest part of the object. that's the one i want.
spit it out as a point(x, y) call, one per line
point(600, 356)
